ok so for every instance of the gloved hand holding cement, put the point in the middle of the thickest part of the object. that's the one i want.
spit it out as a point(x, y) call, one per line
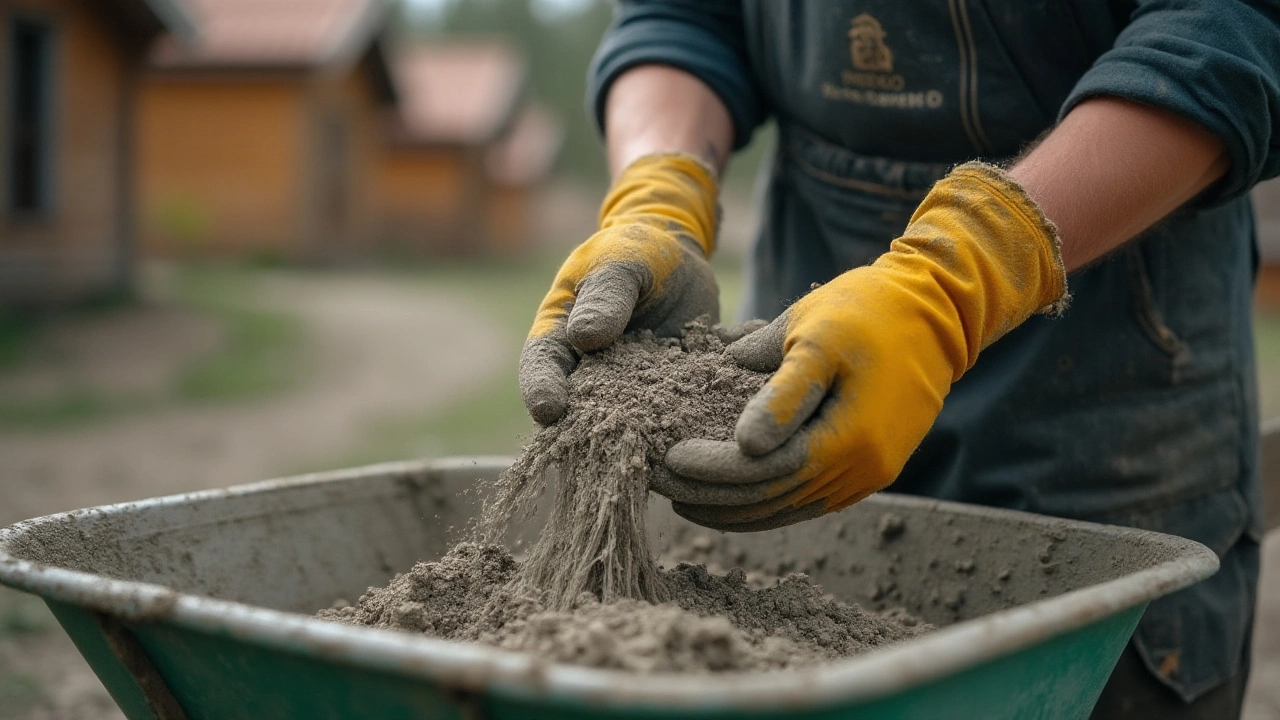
point(863, 362)
point(646, 268)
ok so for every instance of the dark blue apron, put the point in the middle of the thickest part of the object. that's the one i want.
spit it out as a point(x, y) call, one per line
point(1138, 406)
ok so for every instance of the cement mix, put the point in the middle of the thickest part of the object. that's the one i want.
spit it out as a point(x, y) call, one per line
point(590, 592)
point(712, 623)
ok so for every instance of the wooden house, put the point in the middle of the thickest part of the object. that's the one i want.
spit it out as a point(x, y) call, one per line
point(466, 151)
point(71, 70)
point(262, 136)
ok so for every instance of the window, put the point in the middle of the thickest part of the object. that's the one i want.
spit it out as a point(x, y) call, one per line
point(30, 123)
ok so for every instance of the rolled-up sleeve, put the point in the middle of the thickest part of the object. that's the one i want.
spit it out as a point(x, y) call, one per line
point(1214, 62)
point(704, 38)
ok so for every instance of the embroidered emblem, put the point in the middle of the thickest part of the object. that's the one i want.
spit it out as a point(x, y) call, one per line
point(867, 46)
point(871, 81)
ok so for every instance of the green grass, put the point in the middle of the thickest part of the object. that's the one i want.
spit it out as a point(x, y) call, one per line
point(19, 693)
point(71, 407)
point(1267, 337)
point(23, 614)
point(18, 333)
point(260, 354)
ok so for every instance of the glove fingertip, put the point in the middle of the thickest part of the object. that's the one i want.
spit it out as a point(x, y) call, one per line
point(685, 457)
point(545, 364)
point(729, 334)
point(547, 411)
point(757, 432)
point(590, 329)
point(605, 302)
point(545, 394)
point(760, 350)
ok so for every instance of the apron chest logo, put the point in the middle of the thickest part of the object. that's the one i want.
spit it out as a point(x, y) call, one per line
point(872, 80)
point(866, 45)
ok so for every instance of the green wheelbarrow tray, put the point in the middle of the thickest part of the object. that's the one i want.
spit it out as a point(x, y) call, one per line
point(199, 606)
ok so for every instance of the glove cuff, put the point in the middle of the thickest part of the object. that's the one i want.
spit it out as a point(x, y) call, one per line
point(665, 188)
point(1054, 295)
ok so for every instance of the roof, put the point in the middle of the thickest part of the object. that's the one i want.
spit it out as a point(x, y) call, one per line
point(457, 93)
point(274, 34)
point(528, 151)
point(151, 17)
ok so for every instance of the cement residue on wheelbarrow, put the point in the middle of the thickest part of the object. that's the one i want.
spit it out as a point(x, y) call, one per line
point(217, 587)
point(714, 622)
point(589, 592)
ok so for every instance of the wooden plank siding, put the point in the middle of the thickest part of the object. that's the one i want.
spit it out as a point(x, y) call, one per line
point(246, 162)
point(347, 227)
point(79, 246)
point(221, 161)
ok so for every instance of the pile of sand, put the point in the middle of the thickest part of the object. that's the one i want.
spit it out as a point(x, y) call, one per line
point(589, 592)
point(712, 623)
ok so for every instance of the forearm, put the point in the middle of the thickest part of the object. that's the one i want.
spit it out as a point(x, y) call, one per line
point(1112, 169)
point(656, 108)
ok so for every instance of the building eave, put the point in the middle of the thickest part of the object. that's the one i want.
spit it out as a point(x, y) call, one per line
point(149, 18)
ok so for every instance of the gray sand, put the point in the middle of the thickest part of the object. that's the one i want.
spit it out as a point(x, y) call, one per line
point(627, 405)
point(589, 592)
point(712, 623)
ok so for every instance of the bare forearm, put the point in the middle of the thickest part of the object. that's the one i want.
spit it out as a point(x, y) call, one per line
point(1112, 169)
point(656, 108)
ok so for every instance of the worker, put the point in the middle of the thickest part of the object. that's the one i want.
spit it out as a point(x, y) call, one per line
point(1007, 254)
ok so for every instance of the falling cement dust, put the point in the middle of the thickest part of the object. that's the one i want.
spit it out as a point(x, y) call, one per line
point(589, 591)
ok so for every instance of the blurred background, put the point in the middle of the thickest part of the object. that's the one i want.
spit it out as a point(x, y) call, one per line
point(247, 238)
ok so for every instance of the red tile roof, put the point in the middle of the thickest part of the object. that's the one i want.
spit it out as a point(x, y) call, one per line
point(528, 151)
point(457, 93)
point(265, 33)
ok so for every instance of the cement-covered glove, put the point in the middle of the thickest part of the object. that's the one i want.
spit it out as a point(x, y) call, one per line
point(647, 268)
point(863, 362)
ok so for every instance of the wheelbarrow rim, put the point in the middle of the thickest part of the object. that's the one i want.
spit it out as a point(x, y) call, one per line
point(476, 668)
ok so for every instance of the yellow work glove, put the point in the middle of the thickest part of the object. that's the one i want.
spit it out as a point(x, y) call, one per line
point(863, 362)
point(646, 268)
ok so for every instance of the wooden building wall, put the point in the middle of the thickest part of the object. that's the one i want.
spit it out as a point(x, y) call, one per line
point(345, 128)
point(1267, 291)
point(80, 245)
point(254, 162)
point(509, 222)
point(221, 163)
point(420, 193)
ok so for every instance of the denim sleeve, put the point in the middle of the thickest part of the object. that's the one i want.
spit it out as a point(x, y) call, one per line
point(1215, 62)
point(705, 38)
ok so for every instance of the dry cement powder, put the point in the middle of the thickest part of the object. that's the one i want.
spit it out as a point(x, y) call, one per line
point(589, 592)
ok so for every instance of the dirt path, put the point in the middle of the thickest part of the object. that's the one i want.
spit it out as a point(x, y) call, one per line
point(383, 349)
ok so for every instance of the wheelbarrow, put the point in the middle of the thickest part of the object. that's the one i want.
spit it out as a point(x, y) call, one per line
point(200, 606)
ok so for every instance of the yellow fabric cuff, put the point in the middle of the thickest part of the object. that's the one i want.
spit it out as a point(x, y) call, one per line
point(666, 188)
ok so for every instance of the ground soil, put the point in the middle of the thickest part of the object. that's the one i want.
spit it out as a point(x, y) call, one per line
point(379, 345)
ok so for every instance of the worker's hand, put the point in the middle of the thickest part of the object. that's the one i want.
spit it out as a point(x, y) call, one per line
point(646, 268)
point(863, 362)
